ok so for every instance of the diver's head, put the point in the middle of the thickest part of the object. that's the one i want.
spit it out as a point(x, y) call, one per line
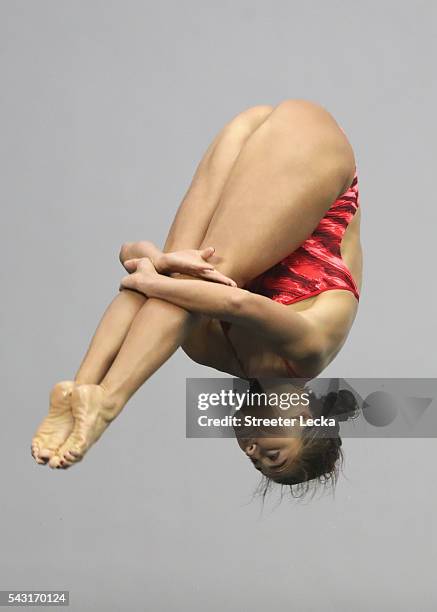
point(274, 457)
point(309, 455)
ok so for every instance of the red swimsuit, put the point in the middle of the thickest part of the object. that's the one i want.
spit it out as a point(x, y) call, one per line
point(316, 266)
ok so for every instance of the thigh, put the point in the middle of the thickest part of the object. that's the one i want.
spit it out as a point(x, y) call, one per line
point(198, 205)
point(207, 345)
point(289, 173)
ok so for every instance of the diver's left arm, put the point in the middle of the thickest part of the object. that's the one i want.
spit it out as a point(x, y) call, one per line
point(289, 331)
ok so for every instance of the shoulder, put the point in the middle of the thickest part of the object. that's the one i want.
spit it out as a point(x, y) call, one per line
point(329, 321)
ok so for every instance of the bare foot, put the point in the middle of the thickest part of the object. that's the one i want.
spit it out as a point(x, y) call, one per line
point(57, 425)
point(92, 413)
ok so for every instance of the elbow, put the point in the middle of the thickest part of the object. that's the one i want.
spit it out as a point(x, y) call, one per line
point(237, 303)
point(310, 348)
point(312, 354)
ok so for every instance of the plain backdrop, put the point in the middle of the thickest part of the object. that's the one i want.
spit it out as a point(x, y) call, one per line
point(106, 109)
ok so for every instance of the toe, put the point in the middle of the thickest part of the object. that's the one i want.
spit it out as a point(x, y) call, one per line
point(66, 457)
point(34, 450)
point(36, 454)
point(45, 453)
point(73, 448)
point(54, 461)
point(71, 455)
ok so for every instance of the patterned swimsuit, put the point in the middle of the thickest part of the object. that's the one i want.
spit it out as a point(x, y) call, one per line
point(316, 266)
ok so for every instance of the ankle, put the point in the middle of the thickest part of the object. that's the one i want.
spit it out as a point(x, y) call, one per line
point(114, 401)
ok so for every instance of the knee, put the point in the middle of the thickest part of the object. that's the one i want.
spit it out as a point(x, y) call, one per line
point(291, 108)
point(299, 116)
point(312, 127)
point(248, 120)
point(131, 250)
point(125, 251)
point(254, 114)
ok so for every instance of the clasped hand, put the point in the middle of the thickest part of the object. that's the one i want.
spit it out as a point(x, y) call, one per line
point(143, 259)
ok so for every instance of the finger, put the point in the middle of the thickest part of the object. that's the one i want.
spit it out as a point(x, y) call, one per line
point(131, 264)
point(129, 282)
point(208, 252)
point(218, 277)
point(145, 263)
point(202, 267)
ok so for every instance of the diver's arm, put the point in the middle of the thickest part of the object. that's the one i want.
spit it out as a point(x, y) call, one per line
point(288, 330)
point(188, 261)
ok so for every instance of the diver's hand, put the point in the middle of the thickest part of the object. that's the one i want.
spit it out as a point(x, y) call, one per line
point(189, 261)
point(140, 271)
point(137, 250)
point(194, 263)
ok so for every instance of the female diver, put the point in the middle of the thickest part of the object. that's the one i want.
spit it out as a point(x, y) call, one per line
point(276, 196)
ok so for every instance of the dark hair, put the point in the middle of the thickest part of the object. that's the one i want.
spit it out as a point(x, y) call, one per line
point(321, 458)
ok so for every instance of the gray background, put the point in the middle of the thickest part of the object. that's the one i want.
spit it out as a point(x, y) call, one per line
point(106, 108)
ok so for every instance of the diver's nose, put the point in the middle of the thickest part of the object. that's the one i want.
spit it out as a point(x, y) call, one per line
point(250, 449)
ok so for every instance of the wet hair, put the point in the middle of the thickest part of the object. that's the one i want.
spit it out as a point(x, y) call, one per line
point(320, 459)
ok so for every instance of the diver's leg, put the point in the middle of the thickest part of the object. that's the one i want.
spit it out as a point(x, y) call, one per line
point(187, 231)
point(286, 176)
point(198, 205)
point(109, 336)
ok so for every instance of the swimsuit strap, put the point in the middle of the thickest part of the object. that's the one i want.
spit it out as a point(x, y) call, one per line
point(290, 370)
point(225, 327)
